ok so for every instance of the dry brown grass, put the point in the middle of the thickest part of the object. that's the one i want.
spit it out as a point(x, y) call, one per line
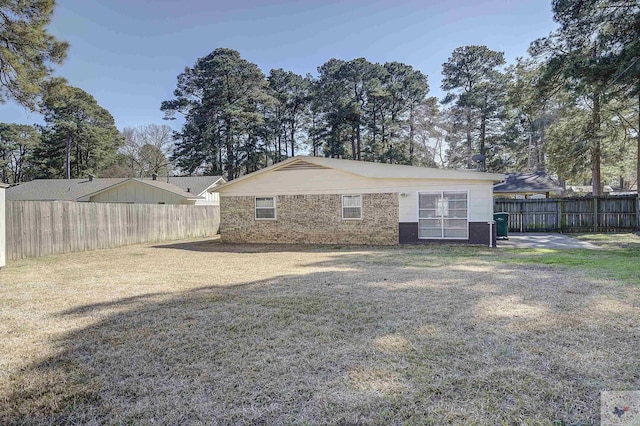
point(204, 333)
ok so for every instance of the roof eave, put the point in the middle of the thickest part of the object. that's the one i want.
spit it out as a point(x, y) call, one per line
point(470, 175)
point(214, 184)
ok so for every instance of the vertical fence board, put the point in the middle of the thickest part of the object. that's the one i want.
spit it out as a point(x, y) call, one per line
point(39, 228)
point(583, 214)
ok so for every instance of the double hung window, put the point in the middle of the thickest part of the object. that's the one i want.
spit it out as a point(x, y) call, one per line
point(351, 207)
point(265, 208)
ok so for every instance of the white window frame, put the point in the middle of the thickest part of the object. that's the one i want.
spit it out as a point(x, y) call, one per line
point(255, 208)
point(343, 207)
point(442, 218)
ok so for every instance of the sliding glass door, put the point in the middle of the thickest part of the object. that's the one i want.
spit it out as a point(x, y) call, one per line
point(443, 215)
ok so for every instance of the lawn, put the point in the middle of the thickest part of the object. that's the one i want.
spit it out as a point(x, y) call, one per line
point(199, 332)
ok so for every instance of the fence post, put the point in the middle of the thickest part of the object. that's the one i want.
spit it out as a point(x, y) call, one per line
point(559, 211)
point(3, 227)
point(595, 214)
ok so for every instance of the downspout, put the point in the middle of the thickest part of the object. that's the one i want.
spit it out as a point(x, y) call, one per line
point(491, 222)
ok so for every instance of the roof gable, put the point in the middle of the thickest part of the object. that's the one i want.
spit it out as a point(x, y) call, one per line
point(58, 189)
point(368, 170)
point(168, 187)
point(82, 189)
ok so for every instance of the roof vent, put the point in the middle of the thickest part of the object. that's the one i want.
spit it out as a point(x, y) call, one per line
point(300, 165)
point(91, 178)
point(154, 176)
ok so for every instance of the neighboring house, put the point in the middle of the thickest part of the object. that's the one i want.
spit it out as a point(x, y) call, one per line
point(319, 200)
point(197, 190)
point(527, 185)
point(3, 227)
point(581, 190)
point(202, 186)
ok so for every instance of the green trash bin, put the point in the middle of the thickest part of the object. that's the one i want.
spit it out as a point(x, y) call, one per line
point(502, 225)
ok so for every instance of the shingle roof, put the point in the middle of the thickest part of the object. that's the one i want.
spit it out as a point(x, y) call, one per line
point(155, 183)
point(75, 189)
point(536, 182)
point(197, 184)
point(59, 189)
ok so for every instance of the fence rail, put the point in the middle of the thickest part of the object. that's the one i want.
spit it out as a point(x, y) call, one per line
point(583, 214)
point(40, 228)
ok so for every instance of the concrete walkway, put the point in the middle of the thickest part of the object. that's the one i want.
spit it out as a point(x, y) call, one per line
point(544, 240)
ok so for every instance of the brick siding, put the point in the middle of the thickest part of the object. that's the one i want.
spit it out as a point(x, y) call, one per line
point(311, 219)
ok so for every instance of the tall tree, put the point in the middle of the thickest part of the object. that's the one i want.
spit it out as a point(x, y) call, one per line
point(291, 94)
point(368, 111)
point(27, 50)
point(476, 87)
point(17, 145)
point(80, 136)
point(330, 105)
point(531, 113)
point(148, 149)
point(219, 98)
point(595, 41)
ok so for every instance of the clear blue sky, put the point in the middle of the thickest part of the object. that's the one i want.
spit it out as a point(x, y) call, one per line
point(127, 53)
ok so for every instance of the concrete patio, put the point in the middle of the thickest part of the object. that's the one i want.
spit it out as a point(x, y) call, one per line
point(544, 240)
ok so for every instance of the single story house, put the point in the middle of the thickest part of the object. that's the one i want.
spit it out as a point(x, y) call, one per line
point(3, 227)
point(197, 190)
point(319, 200)
point(527, 185)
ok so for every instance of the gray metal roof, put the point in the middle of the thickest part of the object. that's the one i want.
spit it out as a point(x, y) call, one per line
point(75, 189)
point(527, 183)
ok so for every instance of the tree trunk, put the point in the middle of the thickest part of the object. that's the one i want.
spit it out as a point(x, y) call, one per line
point(595, 146)
point(279, 151)
point(483, 132)
point(373, 138)
point(469, 147)
point(353, 144)
point(541, 148)
point(358, 142)
point(229, 148)
point(293, 139)
point(5, 176)
point(67, 157)
point(78, 159)
point(411, 135)
point(638, 154)
point(314, 141)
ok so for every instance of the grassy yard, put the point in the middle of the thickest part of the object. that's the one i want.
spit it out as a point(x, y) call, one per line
point(199, 332)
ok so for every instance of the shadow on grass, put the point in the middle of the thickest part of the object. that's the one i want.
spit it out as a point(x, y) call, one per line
point(217, 246)
point(364, 340)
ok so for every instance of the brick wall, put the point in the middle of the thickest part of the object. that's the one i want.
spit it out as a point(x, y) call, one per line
point(311, 219)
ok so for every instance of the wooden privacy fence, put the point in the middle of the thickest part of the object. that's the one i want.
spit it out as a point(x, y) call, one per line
point(40, 228)
point(583, 214)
